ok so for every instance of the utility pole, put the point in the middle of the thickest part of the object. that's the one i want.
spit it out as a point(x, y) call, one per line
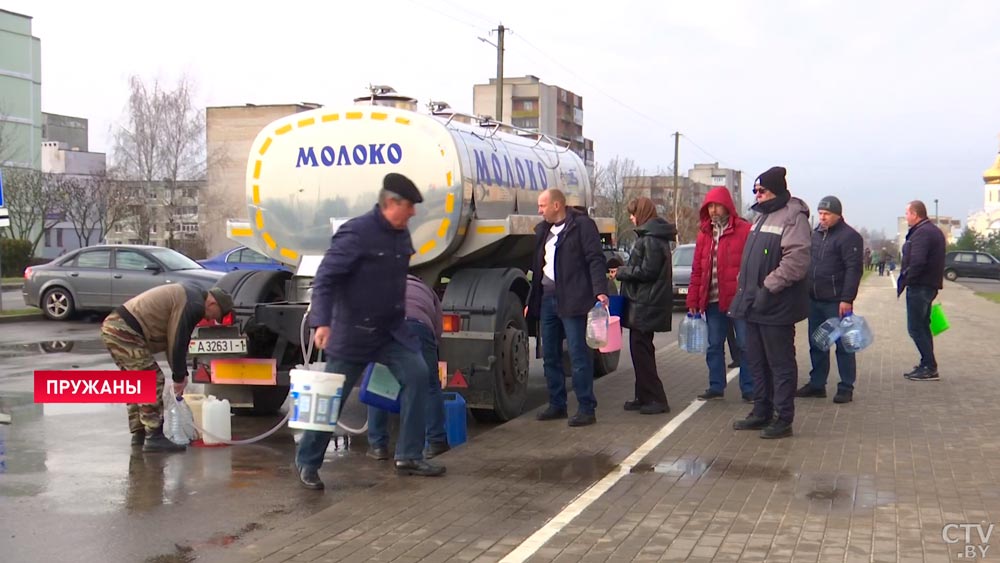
point(500, 30)
point(499, 47)
point(677, 188)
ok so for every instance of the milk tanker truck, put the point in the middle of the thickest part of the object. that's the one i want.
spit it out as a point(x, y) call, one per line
point(473, 235)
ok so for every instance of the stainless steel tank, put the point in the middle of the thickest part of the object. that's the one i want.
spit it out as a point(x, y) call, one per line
point(309, 171)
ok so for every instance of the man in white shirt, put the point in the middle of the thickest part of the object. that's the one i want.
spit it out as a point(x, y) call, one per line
point(569, 274)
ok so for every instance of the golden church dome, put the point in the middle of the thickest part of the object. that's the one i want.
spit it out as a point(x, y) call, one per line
point(992, 174)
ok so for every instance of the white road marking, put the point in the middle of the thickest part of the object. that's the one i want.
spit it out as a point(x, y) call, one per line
point(530, 546)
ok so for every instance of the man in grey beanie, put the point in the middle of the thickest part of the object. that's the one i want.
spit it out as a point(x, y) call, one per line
point(834, 276)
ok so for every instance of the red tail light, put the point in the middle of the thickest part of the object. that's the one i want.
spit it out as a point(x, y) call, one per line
point(27, 273)
point(451, 323)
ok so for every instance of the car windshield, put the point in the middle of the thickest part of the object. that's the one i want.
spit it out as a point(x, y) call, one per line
point(684, 256)
point(174, 260)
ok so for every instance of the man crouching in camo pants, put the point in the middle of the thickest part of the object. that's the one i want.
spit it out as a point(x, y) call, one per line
point(159, 320)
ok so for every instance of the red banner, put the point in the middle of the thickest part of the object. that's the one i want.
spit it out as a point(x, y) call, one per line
point(96, 386)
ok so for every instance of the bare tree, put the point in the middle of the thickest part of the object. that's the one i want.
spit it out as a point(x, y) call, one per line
point(35, 203)
point(143, 213)
point(612, 199)
point(7, 149)
point(95, 205)
point(114, 200)
point(161, 142)
point(688, 223)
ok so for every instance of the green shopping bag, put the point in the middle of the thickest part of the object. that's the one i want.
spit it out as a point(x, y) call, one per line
point(939, 322)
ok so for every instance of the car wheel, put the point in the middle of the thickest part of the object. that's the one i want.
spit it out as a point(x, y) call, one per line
point(951, 275)
point(57, 304)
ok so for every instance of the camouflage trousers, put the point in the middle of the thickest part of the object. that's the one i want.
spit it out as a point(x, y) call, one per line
point(130, 353)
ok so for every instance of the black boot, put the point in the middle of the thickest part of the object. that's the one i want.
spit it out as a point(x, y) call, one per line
point(777, 429)
point(309, 478)
point(156, 442)
point(418, 467)
point(752, 422)
point(139, 438)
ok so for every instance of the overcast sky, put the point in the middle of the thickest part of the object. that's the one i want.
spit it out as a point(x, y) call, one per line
point(875, 102)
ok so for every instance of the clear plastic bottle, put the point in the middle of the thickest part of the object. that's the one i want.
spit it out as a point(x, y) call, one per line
point(856, 334)
point(684, 333)
point(826, 334)
point(175, 420)
point(698, 335)
point(597, 326)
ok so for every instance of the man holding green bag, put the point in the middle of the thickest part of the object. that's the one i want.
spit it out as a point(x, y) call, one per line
point(921, 275)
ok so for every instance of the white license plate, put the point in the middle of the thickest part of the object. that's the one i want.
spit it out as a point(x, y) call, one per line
point(218, 346)
point(682, 290)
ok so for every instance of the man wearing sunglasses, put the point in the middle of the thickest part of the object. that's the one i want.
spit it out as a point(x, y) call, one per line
point(772, 295)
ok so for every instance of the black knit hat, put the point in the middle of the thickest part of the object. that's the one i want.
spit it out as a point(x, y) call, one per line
point(832, 204)
point(773, 180)
point(402, 186)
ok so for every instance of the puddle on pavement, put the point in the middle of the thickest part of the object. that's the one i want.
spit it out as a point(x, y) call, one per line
point(845, 492)
point(697, 467)
point(91, 346)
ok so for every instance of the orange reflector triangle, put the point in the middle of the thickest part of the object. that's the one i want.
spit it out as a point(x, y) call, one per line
point(458, 380)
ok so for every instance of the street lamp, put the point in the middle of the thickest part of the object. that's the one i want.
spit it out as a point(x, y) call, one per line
point(937, 221)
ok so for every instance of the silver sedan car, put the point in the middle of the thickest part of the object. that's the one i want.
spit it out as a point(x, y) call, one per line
point(683, 258)
point(100, 278)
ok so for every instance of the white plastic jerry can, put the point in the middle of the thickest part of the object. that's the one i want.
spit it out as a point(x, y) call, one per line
point(217, 421)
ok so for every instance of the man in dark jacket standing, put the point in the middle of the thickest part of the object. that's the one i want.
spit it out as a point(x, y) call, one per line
point(569, 274)
point(647, 285)
point(773, 295)
point(834, 276)
point(714, 272)
point(922, 275)
point(358, 311)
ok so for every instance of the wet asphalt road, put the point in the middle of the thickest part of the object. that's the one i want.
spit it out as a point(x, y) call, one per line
point(71, 484)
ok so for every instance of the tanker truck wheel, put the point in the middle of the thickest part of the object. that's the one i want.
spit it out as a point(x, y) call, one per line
point(510, 383)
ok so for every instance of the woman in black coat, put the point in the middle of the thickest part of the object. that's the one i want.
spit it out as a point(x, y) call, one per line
point(647, 286)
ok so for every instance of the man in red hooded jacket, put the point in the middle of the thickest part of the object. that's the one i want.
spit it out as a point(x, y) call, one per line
point(717, 254)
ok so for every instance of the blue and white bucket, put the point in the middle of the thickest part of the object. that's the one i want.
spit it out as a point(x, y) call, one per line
point(316, 397)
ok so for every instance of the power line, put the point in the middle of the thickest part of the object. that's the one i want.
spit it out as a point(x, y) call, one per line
point(472, 13)
point(710, 155)
point(445, 14)
point(588, 83)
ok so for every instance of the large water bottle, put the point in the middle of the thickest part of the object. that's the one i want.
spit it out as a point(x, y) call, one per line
point(856, 334)
point(178, 422)
point(684, 333)
point(697, 335)
point(826, 334)
point(597, 326)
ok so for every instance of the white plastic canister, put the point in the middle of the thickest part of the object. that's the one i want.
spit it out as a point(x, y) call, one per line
point(316, 397)
point(217, 420)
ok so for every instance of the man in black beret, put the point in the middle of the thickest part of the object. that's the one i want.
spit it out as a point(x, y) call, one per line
point(834, 277)
point(361, 288)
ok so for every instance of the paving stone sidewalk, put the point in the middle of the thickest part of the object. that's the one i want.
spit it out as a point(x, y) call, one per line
point(879, 479)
